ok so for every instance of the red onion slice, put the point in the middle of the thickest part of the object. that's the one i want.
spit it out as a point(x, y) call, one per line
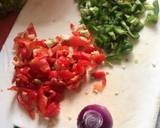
point(94, 116)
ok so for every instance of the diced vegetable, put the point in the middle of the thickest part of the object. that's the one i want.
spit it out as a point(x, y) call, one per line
point(114, 22)
point(100, 75)
point(152, 16)
point(43, 72)
point(97, 87)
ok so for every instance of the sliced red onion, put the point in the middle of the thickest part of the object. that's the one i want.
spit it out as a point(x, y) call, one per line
point(94, 116)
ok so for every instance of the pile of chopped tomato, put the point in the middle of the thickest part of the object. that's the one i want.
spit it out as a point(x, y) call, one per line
point(44, 69)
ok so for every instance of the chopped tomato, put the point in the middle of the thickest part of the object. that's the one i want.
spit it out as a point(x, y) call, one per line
point(82, 55)
point(22, 48)
point(80, 69)
point(97, 87)
point(43, 74)
point(52, 110)
point(37, 44)
point(62, 63)
point(47, 104)
point(65, 74)
point(31, 30)
point(40, 65)
point(100, 75)
point(27, 99)
point(98, 58)
point(42, 100)
point(53, 74)
point(75, 41)
point(40, 52)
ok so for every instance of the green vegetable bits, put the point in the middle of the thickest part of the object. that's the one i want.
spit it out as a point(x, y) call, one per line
point(115, 22)
point(152, 16)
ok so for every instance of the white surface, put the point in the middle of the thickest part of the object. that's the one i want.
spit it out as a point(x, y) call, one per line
point(138, 85)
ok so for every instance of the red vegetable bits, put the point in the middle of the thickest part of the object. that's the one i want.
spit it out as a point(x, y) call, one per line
point(45, 69)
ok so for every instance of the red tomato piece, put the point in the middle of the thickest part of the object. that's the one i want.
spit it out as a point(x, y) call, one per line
point(22, 42)
point(74, 83)
point(42, 101)
point(76, 41)
point(40, 52)
point(25, 106)
point(47, 101)
point(42, 73)
point(52, 110)
point(60, 50)
point(90, 49)
point(98, 58)
point(22, 78)
point(58, 97)
point(82, 55)
point(85, 63)
point(24, 53)
point(31, 30)
point(65, 74)
point(80, 69)
point(53, 74)
point(40, 65)
point(27, 99)
point(100, 75)
point(63, 51)
point(22, 48)
point(37, 44)
point(62, 63)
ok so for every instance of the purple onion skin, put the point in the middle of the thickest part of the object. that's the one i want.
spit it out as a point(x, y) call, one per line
point(94, 116)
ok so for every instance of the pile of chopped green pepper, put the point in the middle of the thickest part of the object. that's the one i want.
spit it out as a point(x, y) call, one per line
point(115, 22)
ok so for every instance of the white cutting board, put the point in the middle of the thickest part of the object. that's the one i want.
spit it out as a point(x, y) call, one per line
point(136, 82)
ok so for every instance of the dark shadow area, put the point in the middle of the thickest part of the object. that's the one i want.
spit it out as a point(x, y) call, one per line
point(158, 121)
